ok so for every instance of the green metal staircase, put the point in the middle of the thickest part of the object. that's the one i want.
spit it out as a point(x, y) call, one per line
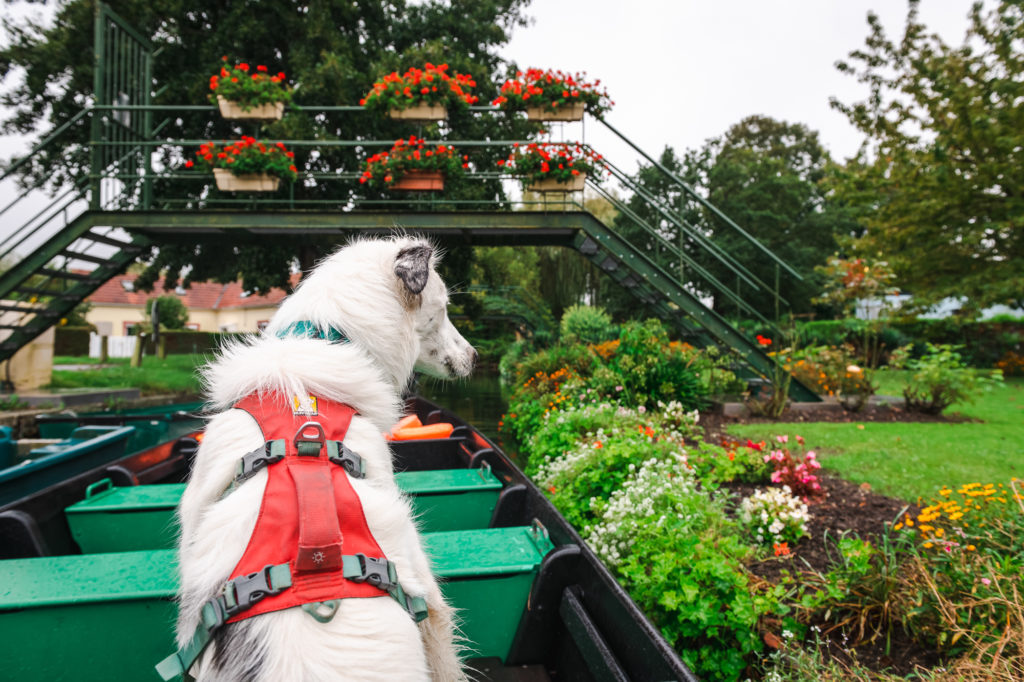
point(117, 219)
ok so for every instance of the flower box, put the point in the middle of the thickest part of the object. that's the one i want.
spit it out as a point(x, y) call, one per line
point(569, 112)
point(420, 181)
point(420, 112)
point(552, 185)
point(272, 111)
point(251, 182)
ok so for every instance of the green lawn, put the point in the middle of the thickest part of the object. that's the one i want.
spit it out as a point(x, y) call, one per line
point(911, 460)
point(176, 374)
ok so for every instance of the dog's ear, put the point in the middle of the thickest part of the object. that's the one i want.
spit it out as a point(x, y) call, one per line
point(412, 266)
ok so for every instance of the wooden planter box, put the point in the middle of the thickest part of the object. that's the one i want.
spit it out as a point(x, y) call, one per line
point(420, 112)
point(253, 182)
point(552, 185)
point(569, 112)
point(262, 112)
point(420, 181)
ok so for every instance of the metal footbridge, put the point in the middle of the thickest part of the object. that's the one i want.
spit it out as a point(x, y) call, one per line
point(95, 226)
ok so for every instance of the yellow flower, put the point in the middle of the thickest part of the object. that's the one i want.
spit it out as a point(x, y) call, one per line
point(954, 517)
point(897, 526)
point(928, 545)
point(939, 532)
point(970, 548)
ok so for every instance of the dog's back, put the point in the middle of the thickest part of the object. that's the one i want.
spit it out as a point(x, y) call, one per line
point(386, 301)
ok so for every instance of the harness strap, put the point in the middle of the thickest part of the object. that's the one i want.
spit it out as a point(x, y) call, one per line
point(273, 451)
point(245, 591)
point(237, 596)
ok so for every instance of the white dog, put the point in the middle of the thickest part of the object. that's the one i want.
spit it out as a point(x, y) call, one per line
point(386, 298)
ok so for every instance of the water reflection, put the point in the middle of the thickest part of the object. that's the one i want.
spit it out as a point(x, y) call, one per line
point(478, 400)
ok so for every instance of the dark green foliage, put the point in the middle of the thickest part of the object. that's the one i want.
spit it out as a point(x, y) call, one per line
point(69, 340)
point(650, 370)
point(344, 47)
point(587, 324)
point(982, 343)
point(171, 312)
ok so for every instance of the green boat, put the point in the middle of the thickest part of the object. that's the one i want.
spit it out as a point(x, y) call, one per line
point(89, 569)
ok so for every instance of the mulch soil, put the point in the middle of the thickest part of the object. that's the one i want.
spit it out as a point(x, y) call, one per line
point(845, 508)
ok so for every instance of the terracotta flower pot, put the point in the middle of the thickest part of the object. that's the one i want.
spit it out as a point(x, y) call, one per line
point(261, 112)
point(553, 185)
point(422, 181)
point(566, 112)
point(251, 182)
point(420, 112)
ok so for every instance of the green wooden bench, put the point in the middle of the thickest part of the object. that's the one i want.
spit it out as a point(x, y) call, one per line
point(110, 616)
point(123, 519)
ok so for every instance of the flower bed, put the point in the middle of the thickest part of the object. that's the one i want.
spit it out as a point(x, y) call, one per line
point(633, 471)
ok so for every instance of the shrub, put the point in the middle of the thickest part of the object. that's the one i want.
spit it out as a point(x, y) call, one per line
point(588, 324)
point(795, 471)
point(833, 371)
point(775, 517)
point(939, 379)
point(707, 611)
point(651, 370)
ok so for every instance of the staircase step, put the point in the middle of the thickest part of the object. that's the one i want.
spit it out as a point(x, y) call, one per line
point(64, 274)
point(41, 312)
point(75, 255)
point(110, 241)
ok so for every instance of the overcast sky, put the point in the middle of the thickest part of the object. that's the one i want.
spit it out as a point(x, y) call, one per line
point(681, 71)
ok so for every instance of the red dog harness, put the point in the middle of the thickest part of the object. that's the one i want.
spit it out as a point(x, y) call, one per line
point(311, 546)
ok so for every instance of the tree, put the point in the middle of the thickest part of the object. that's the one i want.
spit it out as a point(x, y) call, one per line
point(334, 49)
point(938, 180)
point(170, 311)
point(767, 176)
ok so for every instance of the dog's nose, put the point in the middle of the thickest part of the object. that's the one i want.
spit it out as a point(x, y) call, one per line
point(473, 357)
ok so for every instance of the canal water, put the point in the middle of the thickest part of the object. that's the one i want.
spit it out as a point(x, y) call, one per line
point(477, 399)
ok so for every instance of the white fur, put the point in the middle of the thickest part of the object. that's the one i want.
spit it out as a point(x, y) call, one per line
point(391, 332)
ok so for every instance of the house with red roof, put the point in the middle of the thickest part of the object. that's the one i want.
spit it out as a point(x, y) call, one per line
point(117, 307)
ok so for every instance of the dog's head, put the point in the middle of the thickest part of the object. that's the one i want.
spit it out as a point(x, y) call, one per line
point(443, 352)
point(387, 298)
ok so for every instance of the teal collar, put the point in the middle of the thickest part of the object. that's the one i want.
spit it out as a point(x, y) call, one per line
point(306, 329)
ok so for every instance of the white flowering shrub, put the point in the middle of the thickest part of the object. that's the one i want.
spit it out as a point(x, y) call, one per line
point(656, 493)
point(774, 516)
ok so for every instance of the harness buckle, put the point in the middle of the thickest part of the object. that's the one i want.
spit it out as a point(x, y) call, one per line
point(378, 572)
point(272, 452)
point(340, 454)
point(243, 593)
point(303, 438)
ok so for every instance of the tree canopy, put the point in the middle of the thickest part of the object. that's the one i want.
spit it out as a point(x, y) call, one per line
point(938, 181)
point(333, 49)
point(766, 175)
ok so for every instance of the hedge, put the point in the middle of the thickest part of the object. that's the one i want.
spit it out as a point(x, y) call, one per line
point(72, 341)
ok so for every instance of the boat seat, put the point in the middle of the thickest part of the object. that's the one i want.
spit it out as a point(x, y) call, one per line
point(122, 519)
point(114, 612)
